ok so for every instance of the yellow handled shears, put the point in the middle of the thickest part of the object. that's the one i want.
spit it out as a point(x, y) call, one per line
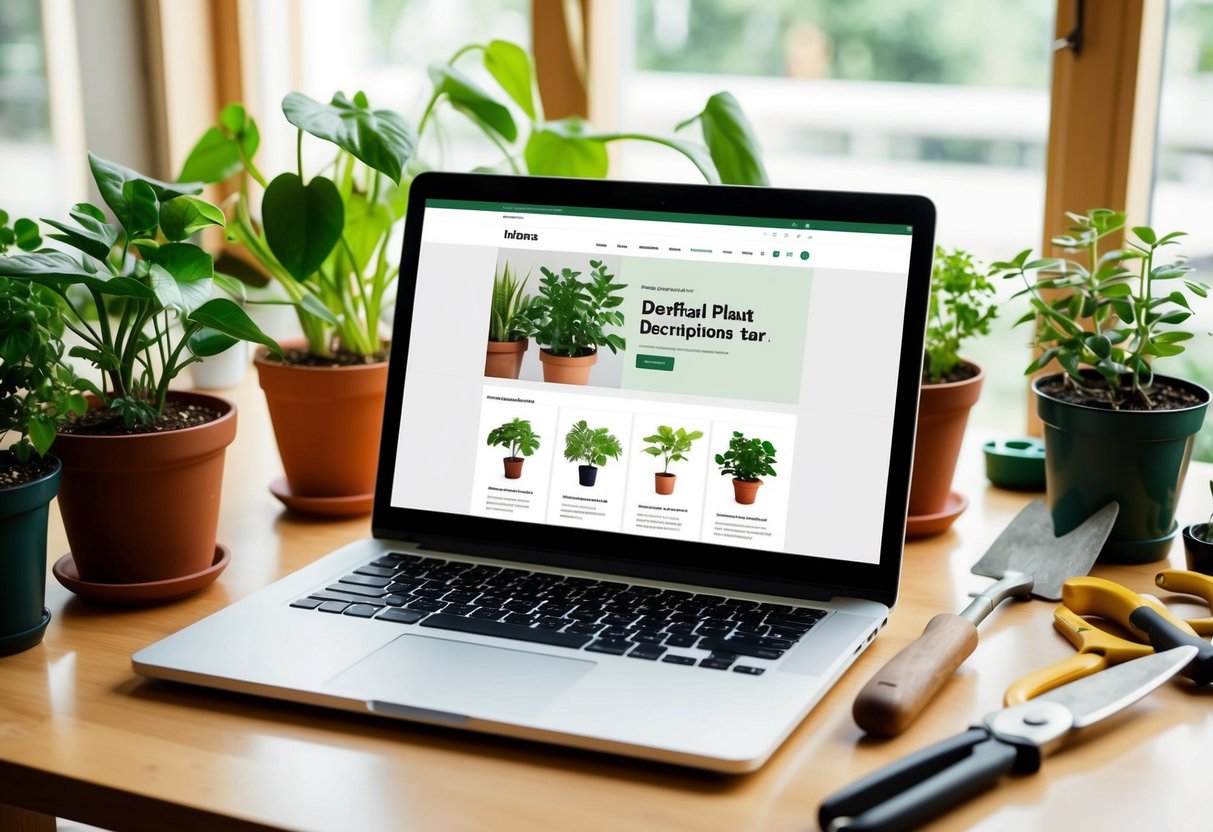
point(1098, 648)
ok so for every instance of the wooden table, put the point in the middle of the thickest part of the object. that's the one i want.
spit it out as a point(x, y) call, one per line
point(82, 737)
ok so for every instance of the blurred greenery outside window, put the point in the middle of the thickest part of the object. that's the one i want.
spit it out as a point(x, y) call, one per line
point(27, 156)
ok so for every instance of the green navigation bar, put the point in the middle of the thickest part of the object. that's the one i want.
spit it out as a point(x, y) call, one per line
point(655, 362)
point(664, 216)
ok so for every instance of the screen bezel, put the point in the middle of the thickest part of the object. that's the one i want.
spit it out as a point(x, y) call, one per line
point(798, 576)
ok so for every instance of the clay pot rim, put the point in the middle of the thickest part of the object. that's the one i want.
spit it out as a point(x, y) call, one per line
point(226, 408)
point(261, 359)
point(951, 385)
point(547, 355)
point(664, 474)
point(509, 346)
point(748, 482)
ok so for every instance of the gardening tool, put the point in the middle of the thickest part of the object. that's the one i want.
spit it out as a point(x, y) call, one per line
point(916, 788)
point(1028, 561)
point(1098, 648)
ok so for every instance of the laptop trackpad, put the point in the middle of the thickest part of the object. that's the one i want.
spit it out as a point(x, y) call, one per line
point(417, 674)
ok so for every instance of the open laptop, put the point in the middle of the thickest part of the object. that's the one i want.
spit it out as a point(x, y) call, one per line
point(691, 626)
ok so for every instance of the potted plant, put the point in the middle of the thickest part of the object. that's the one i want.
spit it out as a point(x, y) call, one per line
point(1114, 429)
point(592, 447)
point(570, 319)
point(139, 298)
point(1198, 543)
point(521, 440)
point(961, 307)
point(37, 392)
point(746, 461)
point(672, 446)
point(509, 326)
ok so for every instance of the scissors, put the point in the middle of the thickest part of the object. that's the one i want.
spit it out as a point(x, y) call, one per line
point(1098, 649)
point(914, 789)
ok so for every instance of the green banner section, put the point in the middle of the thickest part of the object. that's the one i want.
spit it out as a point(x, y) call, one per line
point(716, 329)
point(667, 216)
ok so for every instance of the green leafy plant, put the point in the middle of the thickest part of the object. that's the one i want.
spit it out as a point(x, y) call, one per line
point(1108, 317)
point(962, 306)
point(591, 446)
point(38, 390)
point(516, 435)
point(670, 444)
point(509, 307)
point(124, 286)
point(323, 238)
point(571, 315)
point(747, 459)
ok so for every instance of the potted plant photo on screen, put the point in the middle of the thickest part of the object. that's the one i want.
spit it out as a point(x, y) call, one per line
point(671, 446)
point(747, 461)
point(591, 447)
point(519, 439)
point(572, 318)
point(509, 325)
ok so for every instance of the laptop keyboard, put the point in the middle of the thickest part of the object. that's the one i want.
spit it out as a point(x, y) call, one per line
point(610, 617)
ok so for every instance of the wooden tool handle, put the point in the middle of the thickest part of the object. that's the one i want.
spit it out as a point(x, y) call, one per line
point(894, 697)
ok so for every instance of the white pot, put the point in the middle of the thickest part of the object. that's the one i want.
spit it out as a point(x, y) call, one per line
point(218, 372)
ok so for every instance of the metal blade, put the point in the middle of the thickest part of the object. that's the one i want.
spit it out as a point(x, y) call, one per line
point(1028, 545)
point(1103, 694)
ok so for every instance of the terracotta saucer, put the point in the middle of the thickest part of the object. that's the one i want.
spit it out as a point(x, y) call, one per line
point(151, 592)
point(352, 506)
point(925, 525)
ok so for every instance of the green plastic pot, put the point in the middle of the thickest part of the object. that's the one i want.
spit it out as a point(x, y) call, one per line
point(1137, 458)
point(23, 515)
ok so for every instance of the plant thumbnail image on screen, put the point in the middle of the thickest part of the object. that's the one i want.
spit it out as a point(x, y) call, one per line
point(746, 461)
point(520, 439)
point(573, 313)
point(592, 447)
point(672, 446)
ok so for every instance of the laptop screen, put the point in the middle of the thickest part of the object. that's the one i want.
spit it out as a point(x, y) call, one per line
point(724, 381)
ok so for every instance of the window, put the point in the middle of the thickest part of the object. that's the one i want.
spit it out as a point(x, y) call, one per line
point(27, 154)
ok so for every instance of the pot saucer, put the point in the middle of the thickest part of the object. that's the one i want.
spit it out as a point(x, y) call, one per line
point(926, 525)
point(352, 506)
point(17, 642)
point(149, 592)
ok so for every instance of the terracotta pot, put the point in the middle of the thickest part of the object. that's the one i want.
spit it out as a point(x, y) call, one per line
point(23, 515)
point(587, 475)
point(563, 369)
point(1198, 548)
point(665, 483)
point(745, 491)
point(503, 359)
point(943, 414)
point(513, 467)
point(327, 422)
point(145, 507)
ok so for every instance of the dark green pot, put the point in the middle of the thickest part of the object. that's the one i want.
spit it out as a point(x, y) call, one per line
point(23, 514)
point(1137, 458)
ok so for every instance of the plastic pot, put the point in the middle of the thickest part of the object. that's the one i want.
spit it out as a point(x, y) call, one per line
point(1198, 548)
point(23, 515)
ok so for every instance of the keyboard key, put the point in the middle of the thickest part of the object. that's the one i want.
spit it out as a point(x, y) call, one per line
point(681, 640)
point(723, 657)
point(713, 630)
point(426, 605)
point(585, 614)
point(647, 638)
point(584, 628)
point(434, 592)
point(520, 618)
point(354, 589)
point(651, 652)
point(394, 600)
point(740, 647)
point(519, 606)
point(328, 595)
point(790, 623)
point(751, 671)
point(403, 558)
point(614, 646)
point(502, 630)
point(361, 610)
point(774, 608)
point(715, 664)
point(460, 609)
point(337, 607)
point(307, 603)
point(551, 623)
point(808, 613)
point(675, 659)
point(681, 627)
point(400, 616)
point(488, 614)
point(385, 562)
point(376, 571)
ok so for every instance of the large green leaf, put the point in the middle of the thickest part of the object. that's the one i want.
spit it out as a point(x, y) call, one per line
point(112, 177)
point(509, 65)
point(228, 318)
point(192, 271)
point(380, 138)
point(60, 270)
point(565, 148)
point(91, 235)
point(217, 154)
point(302, 223)
point(142, 214)
point(206, 342)
point(186, 215)
point(366, 224)
point(467, 97)
point(731, 141)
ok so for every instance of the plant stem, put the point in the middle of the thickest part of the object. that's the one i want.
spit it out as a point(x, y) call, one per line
point(299, 152)
point(250, 167)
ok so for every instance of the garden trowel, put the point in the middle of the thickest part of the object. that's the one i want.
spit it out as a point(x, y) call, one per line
point(1028, 560)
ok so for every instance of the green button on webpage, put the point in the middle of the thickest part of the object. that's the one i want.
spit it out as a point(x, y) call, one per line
point(654, 362)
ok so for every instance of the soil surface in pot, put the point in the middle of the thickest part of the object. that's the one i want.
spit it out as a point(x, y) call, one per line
point(14, 473)
point(99, 421)
point(299, 357)
point(1164, 396)
point(958, 373)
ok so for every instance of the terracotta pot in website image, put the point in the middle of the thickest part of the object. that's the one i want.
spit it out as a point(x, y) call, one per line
point(503, 359)
point(563, 369)
point(745, 491)
point(943, 414)
point(145, 507)
point(665, 482)
point(513, 467)
point(327, 422)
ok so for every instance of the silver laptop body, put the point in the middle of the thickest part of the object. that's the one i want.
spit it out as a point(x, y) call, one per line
point(722, 623)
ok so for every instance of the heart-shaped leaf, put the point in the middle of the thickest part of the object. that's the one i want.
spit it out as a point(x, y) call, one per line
point(731, 141)
point(563, 148)
point(380, 138)
point(191, 270)
point(470, 99)
point(186, 215)
point(302, 222)
point(509, 65)
point(111, 177)
point(218, 153)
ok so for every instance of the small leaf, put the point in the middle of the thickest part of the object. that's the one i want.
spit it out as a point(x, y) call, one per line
point(207, 342)
point(185, 216)
point(312, 305)
point(1145, 234)
point(26, 234)
point(41, 434)
point(509, 65)
point(302, 223)
point(225, 316)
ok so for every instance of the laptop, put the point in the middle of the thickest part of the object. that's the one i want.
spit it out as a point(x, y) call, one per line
point(576, 598)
